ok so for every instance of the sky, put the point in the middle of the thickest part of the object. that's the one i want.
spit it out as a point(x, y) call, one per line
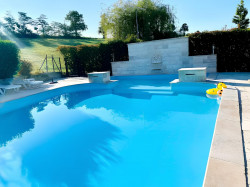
point(198, 14)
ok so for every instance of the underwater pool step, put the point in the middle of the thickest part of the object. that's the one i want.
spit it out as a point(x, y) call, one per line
point(160, 92)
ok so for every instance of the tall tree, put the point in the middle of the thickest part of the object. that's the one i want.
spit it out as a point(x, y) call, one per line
point(56, 30)
point(59, 29)
point(101, 31)
point(184, 28)
point(147, 19)
point(23, 22)
point(10, 23)
point(240, 16)
point(43, 25)
point(76, 22)
point(105, 25)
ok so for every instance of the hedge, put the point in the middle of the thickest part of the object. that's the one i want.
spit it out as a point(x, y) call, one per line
point(82, 59)
point(9, 59)
point(232, 48)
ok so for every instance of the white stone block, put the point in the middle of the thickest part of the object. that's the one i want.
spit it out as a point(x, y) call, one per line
point(192, 74)
point(99, 77)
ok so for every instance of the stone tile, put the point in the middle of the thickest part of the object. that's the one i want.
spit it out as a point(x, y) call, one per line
point(227, 142)
point(221, 173)
point(229, 111)
point(245, 125)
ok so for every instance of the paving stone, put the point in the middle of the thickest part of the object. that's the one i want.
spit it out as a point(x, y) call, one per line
point(221, 173)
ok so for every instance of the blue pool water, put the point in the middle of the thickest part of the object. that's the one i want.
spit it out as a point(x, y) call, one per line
point(138, 134)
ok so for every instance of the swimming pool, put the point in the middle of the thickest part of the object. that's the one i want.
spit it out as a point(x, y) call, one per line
point(136, 133)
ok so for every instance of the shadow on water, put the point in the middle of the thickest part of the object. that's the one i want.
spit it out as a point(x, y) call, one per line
point(72, 157)
point(14, 124)
point(74, 98)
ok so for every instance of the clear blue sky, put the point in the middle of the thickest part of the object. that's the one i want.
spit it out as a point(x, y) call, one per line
point(198, 14)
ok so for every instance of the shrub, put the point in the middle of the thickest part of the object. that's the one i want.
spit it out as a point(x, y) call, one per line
point(25, 68)
point(70, 56)
point(232, 48)
point(87, 58)
point(9, 59)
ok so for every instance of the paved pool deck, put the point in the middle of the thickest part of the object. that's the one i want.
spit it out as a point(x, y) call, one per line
point(230, 151)
point(11, 95)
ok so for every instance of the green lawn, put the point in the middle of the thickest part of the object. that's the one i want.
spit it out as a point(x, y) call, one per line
point(35, 50)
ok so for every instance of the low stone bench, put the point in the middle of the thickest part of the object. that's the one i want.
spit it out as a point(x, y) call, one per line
point(99, 77)
point(192, 74)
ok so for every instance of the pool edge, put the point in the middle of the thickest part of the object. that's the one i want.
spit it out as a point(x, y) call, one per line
point(226, 165)
point(26, 93)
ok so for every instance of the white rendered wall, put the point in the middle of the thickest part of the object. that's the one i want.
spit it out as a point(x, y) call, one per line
point(162, 57)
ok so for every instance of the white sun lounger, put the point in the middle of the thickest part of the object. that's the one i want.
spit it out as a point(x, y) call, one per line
point(19, 81)
point(27, 83)
point(3, 88)
point(33, 83)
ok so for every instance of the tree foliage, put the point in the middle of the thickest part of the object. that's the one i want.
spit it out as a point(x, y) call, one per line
point(240, 16)
point(232, 48)
point(88, 58)
point(42, 25)
point(76, 22)
point(9, 59)
point(10, 23)
point(153, 20)
point(25, 68)
point(23, 22)
point(184, 28)
point(26, 27)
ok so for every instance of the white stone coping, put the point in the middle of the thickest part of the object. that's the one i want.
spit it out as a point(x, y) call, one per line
point(226, 165)
point(154, 41)
point(193, 69)
point(126, 61)
point(93, 73)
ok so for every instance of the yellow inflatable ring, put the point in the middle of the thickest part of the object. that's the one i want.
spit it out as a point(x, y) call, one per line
point(216, 91)
point(213, 91)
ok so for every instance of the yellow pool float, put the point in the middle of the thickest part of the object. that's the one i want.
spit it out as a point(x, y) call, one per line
point(218, 90)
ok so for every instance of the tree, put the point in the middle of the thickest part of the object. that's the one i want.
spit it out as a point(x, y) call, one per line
point(184, 28)
point(146, 18)
point(23, 22)
point(76, 22)
point(10, 23)
point(43, 25)
point(101, 31)
point(59, 29)
point(240, 16)
point(56, 29)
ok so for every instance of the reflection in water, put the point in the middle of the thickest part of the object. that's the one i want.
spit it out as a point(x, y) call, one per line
point(76, 97)
point(127, 136)
point(14, 124)
point(71, 156)
point(60, 153)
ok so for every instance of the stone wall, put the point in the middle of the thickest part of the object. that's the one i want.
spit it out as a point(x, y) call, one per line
point(161, 57)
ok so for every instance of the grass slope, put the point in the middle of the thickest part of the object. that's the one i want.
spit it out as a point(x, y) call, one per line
point(35, 50)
